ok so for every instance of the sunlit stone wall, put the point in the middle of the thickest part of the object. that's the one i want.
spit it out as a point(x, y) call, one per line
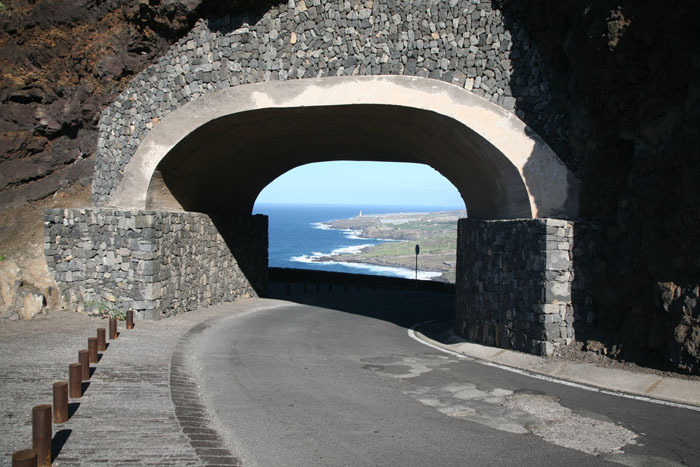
point(157, 263)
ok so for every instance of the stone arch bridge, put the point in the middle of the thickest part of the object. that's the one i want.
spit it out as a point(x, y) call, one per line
point(189, 144)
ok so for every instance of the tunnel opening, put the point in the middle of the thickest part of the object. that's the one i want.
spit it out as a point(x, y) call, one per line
point(364, 218)
point(223, 165)
point(220, 166)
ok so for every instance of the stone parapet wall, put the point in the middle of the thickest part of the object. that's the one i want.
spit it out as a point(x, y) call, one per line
point(467, 43)
point(157, 263)
point(514, 283)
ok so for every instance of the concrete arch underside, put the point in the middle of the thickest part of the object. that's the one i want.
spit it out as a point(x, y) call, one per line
point(218, 152)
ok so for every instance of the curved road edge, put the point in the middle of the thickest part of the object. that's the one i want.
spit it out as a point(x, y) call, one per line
point(672, 392)
point(196, 419)
point(191, 411)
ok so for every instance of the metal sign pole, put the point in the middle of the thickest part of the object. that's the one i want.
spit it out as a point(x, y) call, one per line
point(417, 253)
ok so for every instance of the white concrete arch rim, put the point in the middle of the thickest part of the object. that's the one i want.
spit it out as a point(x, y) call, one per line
point(551, 188)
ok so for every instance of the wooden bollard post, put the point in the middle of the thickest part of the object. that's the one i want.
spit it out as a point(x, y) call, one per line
point(112, 328)
point(41, 433)
point(60, 402)
point(84, 359)
point(92, 349)
point(130, 319)
point(101, 340)
point(24, 458)
point(75, 379)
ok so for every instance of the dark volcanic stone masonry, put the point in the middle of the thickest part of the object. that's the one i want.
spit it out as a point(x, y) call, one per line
point(514, 283)
point(464, 42)
point(157, 263)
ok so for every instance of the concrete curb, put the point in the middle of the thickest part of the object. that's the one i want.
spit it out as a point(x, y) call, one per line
point(654, 388)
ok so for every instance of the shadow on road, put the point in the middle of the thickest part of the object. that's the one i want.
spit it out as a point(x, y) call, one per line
point(403, 307)
point(72, 409)
point(58, 441)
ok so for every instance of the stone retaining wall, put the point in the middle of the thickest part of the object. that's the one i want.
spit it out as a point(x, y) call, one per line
point(157, 263)
point(514, 283)
point(467, 43)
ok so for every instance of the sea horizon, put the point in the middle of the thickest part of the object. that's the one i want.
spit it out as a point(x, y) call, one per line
point(423, 207)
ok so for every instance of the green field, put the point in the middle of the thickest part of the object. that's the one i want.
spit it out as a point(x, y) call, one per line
point(433, 245)
point(436, 233)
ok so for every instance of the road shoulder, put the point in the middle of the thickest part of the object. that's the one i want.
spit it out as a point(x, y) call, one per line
point(637, 385)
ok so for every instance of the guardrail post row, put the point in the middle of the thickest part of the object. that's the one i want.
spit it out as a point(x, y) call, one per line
point(84, 359)
point(60, 402)
point(130, 319)
point(92, 349)
point(112, 328)
point(24, 458)
point(41, 433)
point(75, 379)
point(101, 340)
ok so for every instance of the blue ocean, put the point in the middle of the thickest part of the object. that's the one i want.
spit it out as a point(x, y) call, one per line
point(298, 236)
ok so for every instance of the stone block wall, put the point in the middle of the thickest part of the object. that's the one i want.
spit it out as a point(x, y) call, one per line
point(514, 283)
point(468, 43)
point(157, 263)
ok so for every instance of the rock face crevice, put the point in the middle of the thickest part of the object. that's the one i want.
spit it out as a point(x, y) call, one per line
point(25, 292)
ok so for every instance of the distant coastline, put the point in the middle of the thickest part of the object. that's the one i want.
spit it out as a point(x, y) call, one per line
point(436, 232)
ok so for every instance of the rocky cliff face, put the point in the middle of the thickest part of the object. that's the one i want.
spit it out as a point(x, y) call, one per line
point(62, 62)
point(628, 74)
point(625, 71)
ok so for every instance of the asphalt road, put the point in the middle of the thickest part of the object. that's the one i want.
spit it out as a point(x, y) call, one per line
point(337, 382)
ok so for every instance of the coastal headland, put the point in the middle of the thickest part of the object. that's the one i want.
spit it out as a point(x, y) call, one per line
point(435, 232)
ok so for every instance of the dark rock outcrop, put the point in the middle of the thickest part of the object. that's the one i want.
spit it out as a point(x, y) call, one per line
point(62, 62)
point(627, 71)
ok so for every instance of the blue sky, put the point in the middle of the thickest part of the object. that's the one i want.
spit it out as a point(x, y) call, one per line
point(350, 182)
